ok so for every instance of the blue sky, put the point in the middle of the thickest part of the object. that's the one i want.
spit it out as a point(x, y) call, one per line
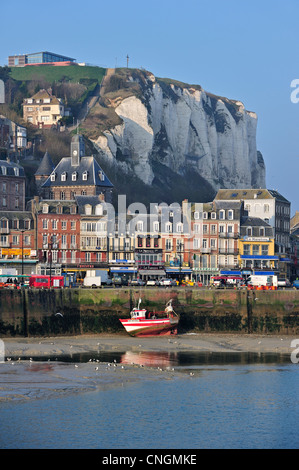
point(246, 51)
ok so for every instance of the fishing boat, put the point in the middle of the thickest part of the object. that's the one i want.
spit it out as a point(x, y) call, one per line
point(144, 323)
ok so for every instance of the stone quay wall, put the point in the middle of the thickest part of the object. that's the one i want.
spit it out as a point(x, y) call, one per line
point(54, 312)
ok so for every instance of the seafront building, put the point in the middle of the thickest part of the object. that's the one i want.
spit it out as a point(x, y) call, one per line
point(71, 227)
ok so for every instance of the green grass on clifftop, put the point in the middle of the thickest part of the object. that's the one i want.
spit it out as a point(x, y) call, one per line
point(50, 73)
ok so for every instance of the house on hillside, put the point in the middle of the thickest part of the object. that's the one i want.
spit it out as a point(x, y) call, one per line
point(43, 110)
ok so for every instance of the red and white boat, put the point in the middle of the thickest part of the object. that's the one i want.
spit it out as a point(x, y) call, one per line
point(144, 323)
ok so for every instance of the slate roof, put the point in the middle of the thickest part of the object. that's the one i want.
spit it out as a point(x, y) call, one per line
point(86, 164)
point(46, 166)
point(10, 168)
point(255, 193)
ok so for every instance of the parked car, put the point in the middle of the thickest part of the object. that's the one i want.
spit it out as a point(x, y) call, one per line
point(152, 282)
point(167, 282)
point(117, 281)
point(281, 282)
point(296, 284)
point(137, 282)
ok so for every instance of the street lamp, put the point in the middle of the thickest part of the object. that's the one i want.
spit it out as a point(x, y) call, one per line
point(22, 230)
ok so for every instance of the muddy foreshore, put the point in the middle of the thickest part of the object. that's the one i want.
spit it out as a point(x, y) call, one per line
point(43, 368)
point(201, 342)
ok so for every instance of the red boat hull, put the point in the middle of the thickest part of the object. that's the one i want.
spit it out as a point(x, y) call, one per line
point(146, 328)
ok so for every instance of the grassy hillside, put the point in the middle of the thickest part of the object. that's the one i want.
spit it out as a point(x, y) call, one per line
point(72, 73)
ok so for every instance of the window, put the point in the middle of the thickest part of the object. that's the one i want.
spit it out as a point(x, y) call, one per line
point(73, 209)
point(53, 176)
point(196, 228)
point(266, 208)
point(17, 204)
point(45, 208)
point(168, 244)
point(213, 229)
point(205, 215)
point(4, 187)
point(246, 250)
point(195, 243)
point(156, 227)
point(139, 226)
point(262, 231)
point(204, 229)
point(3, 169)
point(249, 231)
point(196, 215)
point(148, 242)
point(63, 225)
point(213, 243)
point(45, 240)
point(15, 224)
point(63, 176)
point(54, 224)
point(213, 215)
point(87, 209)
point(230, 215)
point(16, 171)
point(265, 250)
point(101, 175)
point(179, 227)
point(168, 227)
point(74, 176)
point(222, 215)
point(139, 242)
point(62, 195)
point(59, 209)
point(84, 175)
point(73, 225)
point(255, 250)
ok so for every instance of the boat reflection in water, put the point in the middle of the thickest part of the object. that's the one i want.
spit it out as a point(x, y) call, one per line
point(149, 359)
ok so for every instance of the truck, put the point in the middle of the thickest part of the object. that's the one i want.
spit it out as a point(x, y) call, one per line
point(96, 278)
point(262, 282)
point(92, 281)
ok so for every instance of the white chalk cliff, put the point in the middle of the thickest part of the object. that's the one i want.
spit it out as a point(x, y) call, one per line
point(185, 129)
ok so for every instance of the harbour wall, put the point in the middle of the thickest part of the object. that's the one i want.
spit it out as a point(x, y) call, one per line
point(54, 312)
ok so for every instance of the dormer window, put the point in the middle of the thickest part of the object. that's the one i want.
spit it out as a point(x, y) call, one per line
point(179, 227)
point(45, 208)
point(85, 175)
point(3, 169)
point(74, 176)
point(205, 215)
point(222, 215)
point(196, 215)
point(88, 209)
point(63, 176)
point(16, 171)
point(213, 215)
point(230, 215)
point(101, 175)
point(53, 176)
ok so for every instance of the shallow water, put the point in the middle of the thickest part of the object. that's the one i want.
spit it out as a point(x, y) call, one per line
point(228, 401)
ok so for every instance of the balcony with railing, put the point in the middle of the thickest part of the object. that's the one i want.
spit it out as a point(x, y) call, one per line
point(228, 251)
point(229, 235)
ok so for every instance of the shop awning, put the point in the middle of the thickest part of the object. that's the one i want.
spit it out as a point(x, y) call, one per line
point(123, 269)
point(152, 272)
point(259, 257)
point(179, 270)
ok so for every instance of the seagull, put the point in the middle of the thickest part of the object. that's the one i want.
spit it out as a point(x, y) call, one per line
point(96, 368)
point(58, 313)
point(76, 365)
point(191, 374)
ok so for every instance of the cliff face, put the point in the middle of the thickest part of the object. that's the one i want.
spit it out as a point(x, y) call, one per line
point(167, 128)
